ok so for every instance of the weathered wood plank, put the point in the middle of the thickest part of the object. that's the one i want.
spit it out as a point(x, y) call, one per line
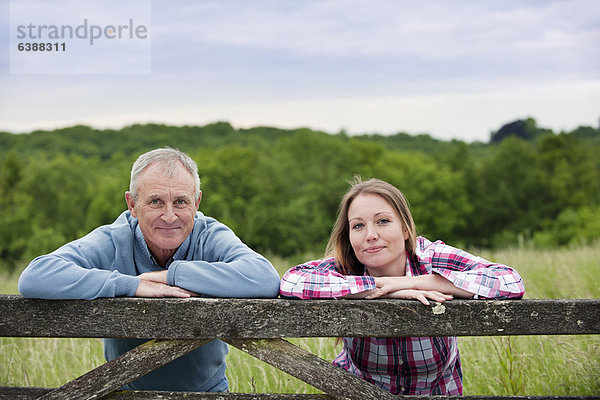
point(130, 395)
point(124, 369)
point(274, 318)
point(23, 393)
point(20, 393)
point(311, 369)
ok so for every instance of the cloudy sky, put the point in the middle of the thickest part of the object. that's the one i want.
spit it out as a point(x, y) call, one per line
point(452, 69)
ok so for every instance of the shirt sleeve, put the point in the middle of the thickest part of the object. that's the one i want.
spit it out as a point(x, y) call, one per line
point(225, 267)
point(474, 274)
point(82, 269)
point(321, 279)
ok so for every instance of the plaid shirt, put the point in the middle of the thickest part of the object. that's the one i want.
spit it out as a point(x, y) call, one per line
point(406, 365)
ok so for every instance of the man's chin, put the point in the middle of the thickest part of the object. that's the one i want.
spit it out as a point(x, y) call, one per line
point(167, 243)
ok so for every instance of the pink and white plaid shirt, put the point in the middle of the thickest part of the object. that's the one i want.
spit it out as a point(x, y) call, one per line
point(406, 365)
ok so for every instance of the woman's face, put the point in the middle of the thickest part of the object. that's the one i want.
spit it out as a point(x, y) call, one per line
point(377, 235)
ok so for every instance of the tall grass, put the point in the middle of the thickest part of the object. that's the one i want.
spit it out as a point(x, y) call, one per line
point(517, 365)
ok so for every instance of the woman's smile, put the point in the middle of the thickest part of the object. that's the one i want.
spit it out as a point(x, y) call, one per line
point(374, 249)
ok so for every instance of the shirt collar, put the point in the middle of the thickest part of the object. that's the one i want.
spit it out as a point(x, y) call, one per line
point(142, 246)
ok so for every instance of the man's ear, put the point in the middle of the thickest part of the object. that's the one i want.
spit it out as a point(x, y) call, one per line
point(198, 201)
point(130, 204)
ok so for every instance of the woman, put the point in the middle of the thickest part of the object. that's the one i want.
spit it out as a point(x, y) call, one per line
point(376, 254)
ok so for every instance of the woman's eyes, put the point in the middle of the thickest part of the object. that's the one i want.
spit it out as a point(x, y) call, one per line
point(382, 221)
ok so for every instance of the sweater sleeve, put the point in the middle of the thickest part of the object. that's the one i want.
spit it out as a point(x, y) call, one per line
point(474, 274)
point(223, 266)
point(82, 269)
point(321, 280)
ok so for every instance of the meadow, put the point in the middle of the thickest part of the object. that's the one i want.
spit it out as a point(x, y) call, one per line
point(517, 365)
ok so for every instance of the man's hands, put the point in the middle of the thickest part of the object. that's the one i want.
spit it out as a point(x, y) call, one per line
point(154, 284)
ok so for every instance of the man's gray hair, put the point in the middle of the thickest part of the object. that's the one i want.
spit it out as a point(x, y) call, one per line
point(167, 158)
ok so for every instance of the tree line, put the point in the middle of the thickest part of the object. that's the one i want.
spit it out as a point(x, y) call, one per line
point(279, 189)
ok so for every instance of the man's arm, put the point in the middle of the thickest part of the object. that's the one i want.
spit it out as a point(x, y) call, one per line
point(54, 277)
point(223, 266)
point(57, 276)
point(85, 268)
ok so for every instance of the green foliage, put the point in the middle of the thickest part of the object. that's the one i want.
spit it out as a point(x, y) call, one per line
point(512, 195)
point(437, 194)
point(571, 227)
point(279, 189)
point(15, 209)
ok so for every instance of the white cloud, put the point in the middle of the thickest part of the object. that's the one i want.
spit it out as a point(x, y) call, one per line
point(451, 69)
point(429, 30)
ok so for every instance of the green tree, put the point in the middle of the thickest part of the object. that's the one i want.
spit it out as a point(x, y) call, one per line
point(295, 210)
point(572, 171)
point(514, 195)
point(61, 190)
point(232, 177)
point(15, 211)
point(436, 194)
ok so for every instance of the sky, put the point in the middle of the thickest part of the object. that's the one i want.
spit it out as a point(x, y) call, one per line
point(450, 69)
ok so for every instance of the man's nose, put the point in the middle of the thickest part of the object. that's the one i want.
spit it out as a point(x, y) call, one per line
point(169, 214)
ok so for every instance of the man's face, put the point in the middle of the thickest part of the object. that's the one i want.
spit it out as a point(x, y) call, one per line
point(165, 209)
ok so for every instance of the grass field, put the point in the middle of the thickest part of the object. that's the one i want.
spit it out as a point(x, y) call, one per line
point(518, 365)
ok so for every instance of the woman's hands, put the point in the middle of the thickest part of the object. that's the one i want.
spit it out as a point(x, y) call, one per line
point(422, 288)
point(413, 294)
point(154, 284)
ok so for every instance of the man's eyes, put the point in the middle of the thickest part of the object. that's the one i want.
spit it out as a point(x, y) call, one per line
point(181, 203)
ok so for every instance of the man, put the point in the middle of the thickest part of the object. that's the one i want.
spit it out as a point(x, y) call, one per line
point(161, 247)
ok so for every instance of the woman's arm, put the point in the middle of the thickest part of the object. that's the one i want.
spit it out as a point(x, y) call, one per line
point(321, 279)
point(451, 271)
point(482, 278)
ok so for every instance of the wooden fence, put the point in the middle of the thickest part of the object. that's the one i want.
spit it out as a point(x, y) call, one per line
point(257, 326)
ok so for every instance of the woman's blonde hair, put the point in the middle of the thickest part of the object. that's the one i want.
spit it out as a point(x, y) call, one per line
point(339, 242)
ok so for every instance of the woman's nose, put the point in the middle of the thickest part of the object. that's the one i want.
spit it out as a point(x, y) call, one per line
point(372, 234)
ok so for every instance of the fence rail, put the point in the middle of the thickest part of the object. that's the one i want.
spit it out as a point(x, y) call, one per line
point(257, 327)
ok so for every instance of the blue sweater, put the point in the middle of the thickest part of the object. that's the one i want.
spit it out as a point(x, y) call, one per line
point(212, 261)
